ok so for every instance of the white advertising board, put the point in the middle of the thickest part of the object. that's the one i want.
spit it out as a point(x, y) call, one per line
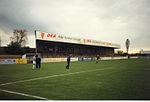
point(45, 60)
point(7, 61)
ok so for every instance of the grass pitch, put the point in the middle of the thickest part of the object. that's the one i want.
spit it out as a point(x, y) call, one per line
point(110, 80)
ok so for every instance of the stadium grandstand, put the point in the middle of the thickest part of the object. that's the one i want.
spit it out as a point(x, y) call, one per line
point(56, 45)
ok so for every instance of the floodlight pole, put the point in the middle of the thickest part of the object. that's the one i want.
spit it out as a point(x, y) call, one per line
point(127, 43)
point(35, 42)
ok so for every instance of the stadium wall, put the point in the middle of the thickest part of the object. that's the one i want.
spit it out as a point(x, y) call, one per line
point(46, 60)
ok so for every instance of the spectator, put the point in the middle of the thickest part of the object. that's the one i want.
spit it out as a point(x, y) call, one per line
point(38, 62)
point(34, 62)
point(68, 62)
point(97, 58)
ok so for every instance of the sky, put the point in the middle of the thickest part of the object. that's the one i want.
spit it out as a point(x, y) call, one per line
point(104, 20)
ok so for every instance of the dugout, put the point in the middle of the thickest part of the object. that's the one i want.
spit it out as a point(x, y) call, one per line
point(56, 45)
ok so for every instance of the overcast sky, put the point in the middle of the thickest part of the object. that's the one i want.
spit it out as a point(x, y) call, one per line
point(105, 20)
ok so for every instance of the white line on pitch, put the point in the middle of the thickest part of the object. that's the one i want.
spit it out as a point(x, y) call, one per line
point(52, 76)
point(23, 94)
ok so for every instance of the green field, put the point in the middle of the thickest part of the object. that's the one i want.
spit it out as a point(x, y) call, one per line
point(117, 79)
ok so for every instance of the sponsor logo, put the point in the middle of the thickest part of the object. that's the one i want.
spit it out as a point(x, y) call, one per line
point(87, 41)
point(51, 35)
point(42, 35)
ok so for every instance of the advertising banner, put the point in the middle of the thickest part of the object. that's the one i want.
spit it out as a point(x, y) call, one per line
point(63, 38)
point(86, 59)
point(45, 60)
point(7, 61)
point(57, 37)
point(21, 61)
point(100, 43)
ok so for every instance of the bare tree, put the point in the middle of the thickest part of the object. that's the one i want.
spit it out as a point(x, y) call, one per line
point(18, 42)
point(20, 37)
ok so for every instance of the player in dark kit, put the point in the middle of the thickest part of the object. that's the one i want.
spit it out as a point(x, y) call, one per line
point(97, 58)
point(68, 62)
point(38, 62)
